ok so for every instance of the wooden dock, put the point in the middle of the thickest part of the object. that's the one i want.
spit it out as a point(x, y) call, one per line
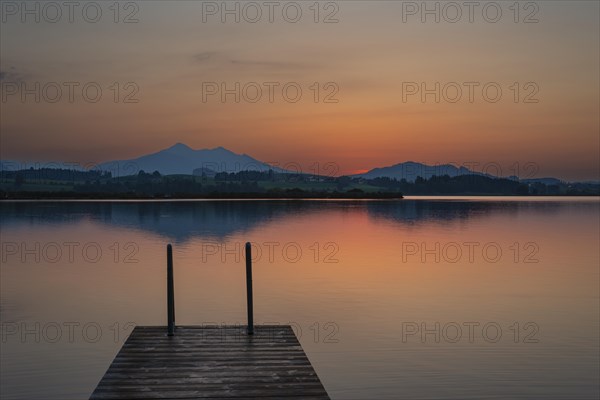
point(211, 362)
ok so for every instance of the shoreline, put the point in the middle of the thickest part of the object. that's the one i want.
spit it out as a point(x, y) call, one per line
point(459, 197)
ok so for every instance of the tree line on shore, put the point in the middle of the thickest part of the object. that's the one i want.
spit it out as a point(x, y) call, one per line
point(51, 182)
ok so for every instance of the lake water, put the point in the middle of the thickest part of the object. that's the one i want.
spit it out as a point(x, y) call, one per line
point(424, 298)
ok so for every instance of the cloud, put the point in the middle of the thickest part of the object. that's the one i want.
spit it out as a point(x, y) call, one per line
point(204, 56)
point(270, 64)
point(12, 75)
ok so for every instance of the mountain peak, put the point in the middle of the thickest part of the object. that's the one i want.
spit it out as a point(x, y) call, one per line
point(182, 159)
point(180, 146)
point(410, 170)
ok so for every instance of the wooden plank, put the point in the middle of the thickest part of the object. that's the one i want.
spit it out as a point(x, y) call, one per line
point(211, 362)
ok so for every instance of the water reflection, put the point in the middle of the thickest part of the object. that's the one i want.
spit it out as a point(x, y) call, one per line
point(181, 221)
point(352, 271)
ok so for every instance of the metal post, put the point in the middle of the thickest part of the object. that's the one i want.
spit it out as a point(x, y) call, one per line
point(170, 292)
point(249, 289)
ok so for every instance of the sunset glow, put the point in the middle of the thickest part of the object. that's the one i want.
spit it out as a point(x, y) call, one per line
point(371, 56)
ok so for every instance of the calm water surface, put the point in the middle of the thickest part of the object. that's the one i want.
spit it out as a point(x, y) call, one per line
point(424, 298)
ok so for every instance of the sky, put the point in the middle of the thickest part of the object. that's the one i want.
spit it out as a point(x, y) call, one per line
point(515, 87)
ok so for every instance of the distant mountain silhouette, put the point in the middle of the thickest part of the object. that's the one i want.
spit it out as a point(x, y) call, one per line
point(181, 159)
point(410, 170)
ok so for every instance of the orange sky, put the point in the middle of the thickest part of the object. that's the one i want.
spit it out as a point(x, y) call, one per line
point(370, 55)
